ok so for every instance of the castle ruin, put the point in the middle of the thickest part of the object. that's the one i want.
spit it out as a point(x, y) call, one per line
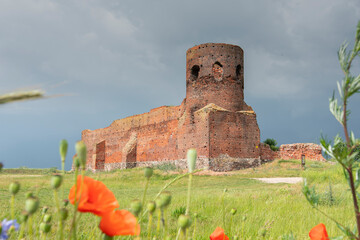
point(213, 118)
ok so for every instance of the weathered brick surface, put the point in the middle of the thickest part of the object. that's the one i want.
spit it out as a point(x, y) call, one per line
point(213, 118)
point(310, 151)
point(266, 154)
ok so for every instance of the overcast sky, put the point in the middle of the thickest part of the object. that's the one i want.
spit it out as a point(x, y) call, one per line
point(116, 58)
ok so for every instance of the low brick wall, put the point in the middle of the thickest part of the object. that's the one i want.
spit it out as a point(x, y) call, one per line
point(310, 151)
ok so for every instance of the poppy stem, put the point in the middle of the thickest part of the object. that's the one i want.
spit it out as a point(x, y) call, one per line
point(12, 206)
point(223, 208)
point(150, 225)
point(188, 195)
point(158, 222)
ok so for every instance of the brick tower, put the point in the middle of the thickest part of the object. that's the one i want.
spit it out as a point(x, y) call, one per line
point(214, 74)
point(213, 118)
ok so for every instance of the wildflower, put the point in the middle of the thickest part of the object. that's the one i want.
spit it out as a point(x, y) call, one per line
point(318, 232)
point(95, 197)
point(119, 222)
point(219, 234)
point(6, 227)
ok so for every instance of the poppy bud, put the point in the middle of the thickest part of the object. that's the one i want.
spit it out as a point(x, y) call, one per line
point(236, 238)
point(45, 227)
point(169, 238)
point(63, 149)
point(14, 188)
point(233, 211)
point(244, 218)
point(225, 190)
point(148, 172)
point(66, 202)
point(31, 205)
point(136, 207)
point(151, 206)
point(28, 195)
point(76, 162)
point(191, 159)
point(80, 148)
point(56, 181)
point(184, 221)
point(63, 214)
point(23, 217)
point(195, 215)
point(44, 210)
point(165, 199)
point(47, 218)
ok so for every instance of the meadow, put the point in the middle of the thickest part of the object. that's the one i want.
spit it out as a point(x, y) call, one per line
point(264, 211)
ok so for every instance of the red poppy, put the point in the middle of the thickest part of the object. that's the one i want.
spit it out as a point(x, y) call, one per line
point(318, 232)
point(95, 196)
point(119, 222)
point(218, 234)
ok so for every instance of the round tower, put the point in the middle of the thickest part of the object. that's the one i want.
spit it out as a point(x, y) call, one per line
point(215, 74)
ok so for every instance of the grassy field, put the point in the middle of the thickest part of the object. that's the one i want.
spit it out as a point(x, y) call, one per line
point(281, 208)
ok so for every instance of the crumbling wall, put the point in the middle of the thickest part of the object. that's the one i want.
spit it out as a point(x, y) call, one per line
point(266, 154)
point(310, 151)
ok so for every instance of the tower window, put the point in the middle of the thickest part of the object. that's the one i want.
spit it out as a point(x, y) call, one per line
point(238, 71)
point(218, 71)
point(194, 72)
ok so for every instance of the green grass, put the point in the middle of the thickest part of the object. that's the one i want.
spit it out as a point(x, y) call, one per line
point(281, 207)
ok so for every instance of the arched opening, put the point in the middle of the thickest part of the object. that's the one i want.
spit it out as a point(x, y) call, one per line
point(194, 72)
point(238, 71)
point(100, 156)
point(218, 71)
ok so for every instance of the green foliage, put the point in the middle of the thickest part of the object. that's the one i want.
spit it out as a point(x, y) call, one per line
point(178, 211)
point(345, 152)
point(272, 144)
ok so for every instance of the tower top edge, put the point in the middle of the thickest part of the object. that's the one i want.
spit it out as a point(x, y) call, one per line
point(213, 45)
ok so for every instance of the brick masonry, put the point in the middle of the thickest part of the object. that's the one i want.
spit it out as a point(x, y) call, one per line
point(213, 118)
point(310, 151)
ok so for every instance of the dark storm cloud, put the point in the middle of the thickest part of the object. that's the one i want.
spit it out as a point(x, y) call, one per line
point(111, 59)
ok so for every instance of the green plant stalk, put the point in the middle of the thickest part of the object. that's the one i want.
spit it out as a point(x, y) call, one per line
point(188, 195)
point(12, 207)
point(242, 229)
point(163, 221)
point(22, 229)
point(149, 226)
point(63, 176)
point(223, 209)
point(145, 190)
point(231, 219)
point(169, 184)
point(57, 204)
point(158, 222)
point(144, 196)
point(73, 223)
point(30, 227)
point(194, 232)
